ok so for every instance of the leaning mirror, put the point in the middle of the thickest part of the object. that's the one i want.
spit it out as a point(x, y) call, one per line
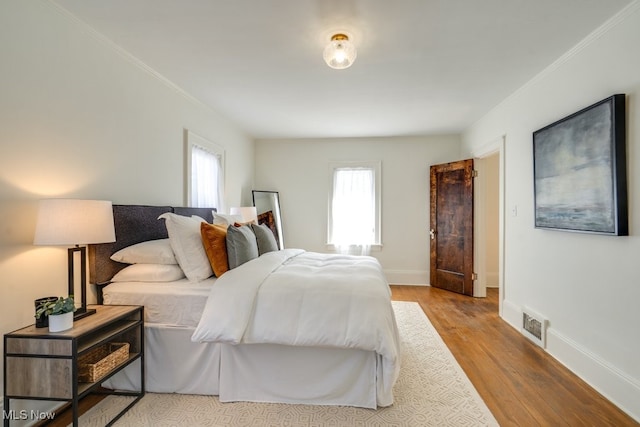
point(267, 206)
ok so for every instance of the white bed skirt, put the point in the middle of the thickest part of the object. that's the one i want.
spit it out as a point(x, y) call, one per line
point(285, 374)
point(173, 364)
point(252, 372)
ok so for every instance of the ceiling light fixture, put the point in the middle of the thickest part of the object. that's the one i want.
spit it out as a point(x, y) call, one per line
point(340, 52)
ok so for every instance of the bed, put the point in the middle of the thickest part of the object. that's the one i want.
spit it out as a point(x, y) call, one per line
point(284, 327)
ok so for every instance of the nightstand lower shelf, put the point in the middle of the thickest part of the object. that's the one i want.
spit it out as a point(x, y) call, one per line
point(40, 365)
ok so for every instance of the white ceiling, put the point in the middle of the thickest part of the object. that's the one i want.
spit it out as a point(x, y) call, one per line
point(423, 66)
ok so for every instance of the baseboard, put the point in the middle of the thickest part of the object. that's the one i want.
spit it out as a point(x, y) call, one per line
point(622, 390)
point(416, 285)
point(512, 314)
point(407, 277)
point(616, 386)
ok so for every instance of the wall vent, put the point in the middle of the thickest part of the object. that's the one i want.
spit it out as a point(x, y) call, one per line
point(534, 327)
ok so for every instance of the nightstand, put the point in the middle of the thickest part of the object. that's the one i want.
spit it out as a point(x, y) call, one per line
point(43, 365)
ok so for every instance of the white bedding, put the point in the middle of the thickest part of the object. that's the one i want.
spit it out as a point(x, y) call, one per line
point(171, 304)
point(299, 298)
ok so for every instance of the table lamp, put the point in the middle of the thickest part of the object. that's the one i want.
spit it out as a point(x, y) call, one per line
point(248, 213)
point(64, 222)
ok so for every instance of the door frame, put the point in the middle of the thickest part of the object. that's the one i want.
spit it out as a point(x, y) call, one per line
point(495, 146)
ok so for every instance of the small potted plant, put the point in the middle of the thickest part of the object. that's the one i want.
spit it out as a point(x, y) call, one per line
point(60, 313)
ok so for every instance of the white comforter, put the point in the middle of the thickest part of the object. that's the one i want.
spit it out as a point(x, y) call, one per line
point(299, 298)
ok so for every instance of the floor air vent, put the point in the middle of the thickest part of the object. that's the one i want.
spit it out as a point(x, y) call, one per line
point(534, 327)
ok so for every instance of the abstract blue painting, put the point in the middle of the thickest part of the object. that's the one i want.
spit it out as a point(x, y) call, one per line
point(580, 171)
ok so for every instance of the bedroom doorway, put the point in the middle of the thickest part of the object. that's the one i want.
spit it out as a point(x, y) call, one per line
point(489, 219)
point(488, 200)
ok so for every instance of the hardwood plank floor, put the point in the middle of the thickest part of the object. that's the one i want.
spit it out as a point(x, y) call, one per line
point(521, 384)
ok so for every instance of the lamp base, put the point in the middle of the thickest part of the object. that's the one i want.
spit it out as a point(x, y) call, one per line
point(83, 312)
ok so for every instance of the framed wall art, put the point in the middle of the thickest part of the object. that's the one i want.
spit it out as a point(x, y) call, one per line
point(580, 176)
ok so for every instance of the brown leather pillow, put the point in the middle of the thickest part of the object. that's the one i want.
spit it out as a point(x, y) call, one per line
point(214, 240)
point(240, 224)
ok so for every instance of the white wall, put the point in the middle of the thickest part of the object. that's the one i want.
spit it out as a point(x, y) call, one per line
point(80, 120)
point(586, 285)
point(299, 170)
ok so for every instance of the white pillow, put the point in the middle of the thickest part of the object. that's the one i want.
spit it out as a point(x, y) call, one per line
point(227, 220)
point(149, 252)
point(149, 273)
point(186, 242)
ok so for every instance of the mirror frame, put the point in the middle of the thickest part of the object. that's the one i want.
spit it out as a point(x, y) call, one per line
point(273, 221)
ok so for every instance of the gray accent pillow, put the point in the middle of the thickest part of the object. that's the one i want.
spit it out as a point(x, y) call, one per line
point(241, 245)
point(265, 238)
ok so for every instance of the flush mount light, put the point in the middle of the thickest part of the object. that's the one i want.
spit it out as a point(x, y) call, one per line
point(340, 52)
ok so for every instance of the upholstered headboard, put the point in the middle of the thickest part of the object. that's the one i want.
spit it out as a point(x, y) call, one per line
point(133, 224)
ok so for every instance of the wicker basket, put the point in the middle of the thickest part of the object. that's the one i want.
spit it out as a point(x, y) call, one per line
point(101, 360)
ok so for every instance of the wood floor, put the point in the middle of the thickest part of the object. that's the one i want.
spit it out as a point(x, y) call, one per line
point(520, 383)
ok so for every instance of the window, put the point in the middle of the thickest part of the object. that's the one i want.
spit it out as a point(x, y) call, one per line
point(205, 172)
point(354, 206)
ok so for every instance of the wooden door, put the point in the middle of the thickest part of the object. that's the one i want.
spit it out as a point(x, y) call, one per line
point(452, 226)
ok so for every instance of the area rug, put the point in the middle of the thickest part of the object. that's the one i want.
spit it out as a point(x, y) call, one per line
point(432, 390)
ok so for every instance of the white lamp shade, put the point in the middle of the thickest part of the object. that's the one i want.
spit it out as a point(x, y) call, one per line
point(74, 222)
point(248, 213)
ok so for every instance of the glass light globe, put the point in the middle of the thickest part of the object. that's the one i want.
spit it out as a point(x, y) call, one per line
point(340, 52)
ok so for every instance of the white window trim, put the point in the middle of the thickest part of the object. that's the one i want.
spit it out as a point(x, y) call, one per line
point(192, 139)
point(376, 165)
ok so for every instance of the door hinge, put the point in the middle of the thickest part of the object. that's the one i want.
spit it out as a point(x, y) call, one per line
point(474, 276)
point(474, 173)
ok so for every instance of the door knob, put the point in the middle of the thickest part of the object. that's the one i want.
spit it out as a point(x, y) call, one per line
point(432, 233)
